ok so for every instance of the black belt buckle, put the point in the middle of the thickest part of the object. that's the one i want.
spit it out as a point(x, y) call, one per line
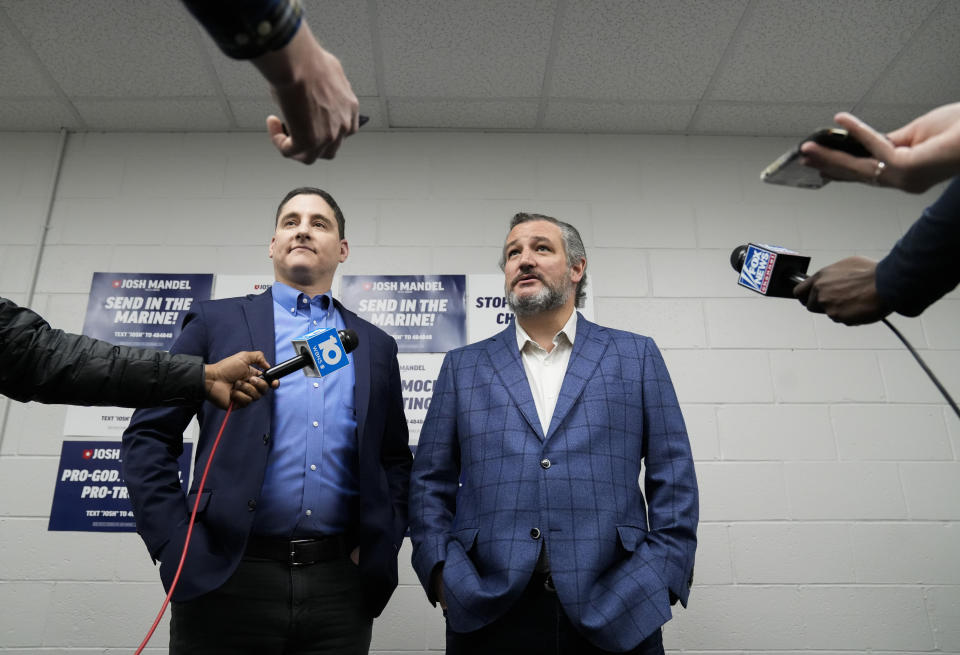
point(293, 551)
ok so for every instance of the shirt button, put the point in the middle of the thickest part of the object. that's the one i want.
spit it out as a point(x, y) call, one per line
point(315, 424)
point(251, 505)
point(313, 467)
point(309, 512)
point(316, 385)
point(545, 463)
point(293, 310)
point(535, 533)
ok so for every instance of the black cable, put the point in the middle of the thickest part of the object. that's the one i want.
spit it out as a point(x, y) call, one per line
point(924, 366)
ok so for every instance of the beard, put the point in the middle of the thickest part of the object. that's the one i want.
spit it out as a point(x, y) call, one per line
point(547, 298)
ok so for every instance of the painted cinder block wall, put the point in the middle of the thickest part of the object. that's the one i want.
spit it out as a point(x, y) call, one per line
point(828, 465)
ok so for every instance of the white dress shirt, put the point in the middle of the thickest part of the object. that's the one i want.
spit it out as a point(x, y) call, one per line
point(545, 370)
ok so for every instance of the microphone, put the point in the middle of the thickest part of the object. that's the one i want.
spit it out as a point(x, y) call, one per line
point(321, 352)
point(769, 270)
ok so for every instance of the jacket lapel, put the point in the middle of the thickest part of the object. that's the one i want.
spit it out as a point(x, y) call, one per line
point(259, 315)
point(361, 367)
point(591, 342)
point(505, 357)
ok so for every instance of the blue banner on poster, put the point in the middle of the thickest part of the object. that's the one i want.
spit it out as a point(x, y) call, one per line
point(142, 309)
point(90, 495)
point(424, 313)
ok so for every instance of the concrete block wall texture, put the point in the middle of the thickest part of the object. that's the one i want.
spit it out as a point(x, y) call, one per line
point(828, 464)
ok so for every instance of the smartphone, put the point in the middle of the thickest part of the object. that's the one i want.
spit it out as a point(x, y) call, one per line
point(788, 171)
point(361, 120)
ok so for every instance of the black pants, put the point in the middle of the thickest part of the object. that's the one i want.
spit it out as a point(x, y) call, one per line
point(271, 608)
point(535, 625)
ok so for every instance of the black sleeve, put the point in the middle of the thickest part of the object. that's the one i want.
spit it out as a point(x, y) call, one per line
point(38, 363)
point(244, 29)
point(923, 266)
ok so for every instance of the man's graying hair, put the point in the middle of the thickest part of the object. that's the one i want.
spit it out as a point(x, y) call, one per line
point(572, 246)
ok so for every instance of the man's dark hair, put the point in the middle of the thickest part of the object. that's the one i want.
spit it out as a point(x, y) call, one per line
point(314, 191)
point(572, 246)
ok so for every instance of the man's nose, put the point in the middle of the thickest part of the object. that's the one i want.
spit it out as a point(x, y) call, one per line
point(526, 260)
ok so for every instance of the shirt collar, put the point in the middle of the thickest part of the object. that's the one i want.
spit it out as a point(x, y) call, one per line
point(294, 301)
point(569, 330)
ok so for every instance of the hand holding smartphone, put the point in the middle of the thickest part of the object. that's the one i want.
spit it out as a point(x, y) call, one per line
point(788, 171)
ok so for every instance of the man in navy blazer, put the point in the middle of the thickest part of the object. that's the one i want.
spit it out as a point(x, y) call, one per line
point(528, 522)
point(305, 507)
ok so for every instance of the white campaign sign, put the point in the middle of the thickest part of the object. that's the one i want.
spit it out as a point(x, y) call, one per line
point(418, 373)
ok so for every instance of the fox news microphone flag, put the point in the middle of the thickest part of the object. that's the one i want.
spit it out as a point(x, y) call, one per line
point(769, 270)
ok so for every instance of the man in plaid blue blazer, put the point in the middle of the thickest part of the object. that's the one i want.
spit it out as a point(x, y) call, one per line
point(528, 521)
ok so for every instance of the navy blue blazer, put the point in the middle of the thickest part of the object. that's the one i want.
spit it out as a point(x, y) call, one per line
point(488, 487)
point(154, 439)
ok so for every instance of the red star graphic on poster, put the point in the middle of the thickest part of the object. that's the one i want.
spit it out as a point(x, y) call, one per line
point(87, 454)
point(116, 284)
point(367, 286)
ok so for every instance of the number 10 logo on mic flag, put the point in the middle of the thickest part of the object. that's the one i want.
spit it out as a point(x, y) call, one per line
point(326, 350)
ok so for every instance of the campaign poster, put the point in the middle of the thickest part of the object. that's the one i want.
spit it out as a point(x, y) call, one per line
point(90, 495)
point(233, 286)
point(108, 422)
point(418, 374)
point(424, 313)
point(134, 309)
point(142, 309)
point(487, 310)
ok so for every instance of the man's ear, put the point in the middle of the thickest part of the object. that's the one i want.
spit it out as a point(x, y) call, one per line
point(578, 269)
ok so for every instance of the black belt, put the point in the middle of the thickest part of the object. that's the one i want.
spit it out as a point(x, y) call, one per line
point(299, 552)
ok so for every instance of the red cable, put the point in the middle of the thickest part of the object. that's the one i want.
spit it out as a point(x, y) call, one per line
point(186, 543)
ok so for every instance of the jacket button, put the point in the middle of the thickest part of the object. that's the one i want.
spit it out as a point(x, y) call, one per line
point(535, 533)
point(266, 438)
point(251, 505)
point(545, 463)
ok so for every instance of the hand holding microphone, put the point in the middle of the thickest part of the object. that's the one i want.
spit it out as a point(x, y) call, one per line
point(234, 379)
point(846, 291)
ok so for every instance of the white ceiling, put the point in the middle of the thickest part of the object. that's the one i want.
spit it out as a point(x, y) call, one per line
point(739, 67)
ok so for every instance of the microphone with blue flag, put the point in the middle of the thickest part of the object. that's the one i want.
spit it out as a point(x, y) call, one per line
point(319, 354)
point(769, 270)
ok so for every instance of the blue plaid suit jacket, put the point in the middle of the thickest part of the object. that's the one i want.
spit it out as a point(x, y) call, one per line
point(478, 488)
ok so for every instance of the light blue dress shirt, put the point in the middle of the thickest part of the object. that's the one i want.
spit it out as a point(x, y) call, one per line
point(310, 487)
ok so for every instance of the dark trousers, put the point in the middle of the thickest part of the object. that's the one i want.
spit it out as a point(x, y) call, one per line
point(535, 625)
point(272, 608)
